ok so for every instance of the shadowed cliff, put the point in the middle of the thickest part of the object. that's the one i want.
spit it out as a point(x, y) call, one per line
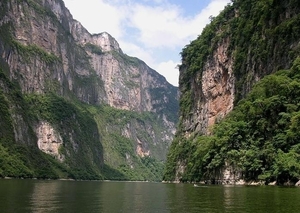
point(232, 127)
point(73, 104)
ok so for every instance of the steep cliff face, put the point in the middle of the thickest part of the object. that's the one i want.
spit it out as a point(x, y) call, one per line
point(122, 82)
point(241, 45)
point(46, 55)
point(247, 41)
point(42, 41)
point(49, 140)
point(213, 91)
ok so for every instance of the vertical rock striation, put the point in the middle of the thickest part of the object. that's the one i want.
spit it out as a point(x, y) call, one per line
point(48, 55)
point(213, 92)
point(49, 140)
point(246, 42)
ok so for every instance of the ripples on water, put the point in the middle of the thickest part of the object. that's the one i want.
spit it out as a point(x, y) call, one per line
point(139, 197)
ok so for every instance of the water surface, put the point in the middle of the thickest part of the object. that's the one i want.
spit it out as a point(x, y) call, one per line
point(41, 196)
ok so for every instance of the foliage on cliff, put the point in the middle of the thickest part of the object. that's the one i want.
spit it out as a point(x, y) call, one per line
point(263, 38)
point(48, 76)
point(260, 137)
point(20, 158)
point(84, 123)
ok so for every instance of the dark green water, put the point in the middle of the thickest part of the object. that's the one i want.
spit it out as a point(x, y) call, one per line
point(92, 196)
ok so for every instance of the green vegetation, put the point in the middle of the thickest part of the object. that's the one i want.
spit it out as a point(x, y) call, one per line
point(126, 59)
point(20, 158)
point(159, 94)
point(99, 142)
point(5, 34)
point(21, 161)
point(3, 8)
point(120, 151)
point(78, 130)
point(82, 147)
point(33, 50)
point(79, 125)
point(6, 121)
point(93, 48)
point(12, 165)
point(258, 37)
point(259, 138)
point(41, 10)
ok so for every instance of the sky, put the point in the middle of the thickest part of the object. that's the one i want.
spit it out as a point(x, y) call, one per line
point(154, 31)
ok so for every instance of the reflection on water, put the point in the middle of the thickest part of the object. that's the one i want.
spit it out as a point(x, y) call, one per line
point(37, 196)
point(14, 196)
point(44, 197)
point(233, 198)
point(132, 197)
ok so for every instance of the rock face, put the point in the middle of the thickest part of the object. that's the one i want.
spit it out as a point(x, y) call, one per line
point(213, 91)
point(121, 81)
point(219, 69)
point(140, 150)
point(45, 52)
point(228, 175)
point(49, 140)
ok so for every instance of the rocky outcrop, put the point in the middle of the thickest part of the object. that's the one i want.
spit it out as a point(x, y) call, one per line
point(227, 175)
point(53, 59)
point(114, 78)
point(121, 81)
point(42, 41)
point(141, 151)
point(213, 89)
point(49, 140)
point(246, 42)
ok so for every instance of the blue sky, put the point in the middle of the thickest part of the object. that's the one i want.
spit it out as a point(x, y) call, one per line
point(153, 30)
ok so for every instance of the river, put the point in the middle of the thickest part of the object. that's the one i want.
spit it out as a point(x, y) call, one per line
point(42, 196)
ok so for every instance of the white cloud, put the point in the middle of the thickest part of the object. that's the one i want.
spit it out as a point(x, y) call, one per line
point(155, 1)
point(165, 26)
point(137, 51)
point(97, 16)
point(146, 29)
point(157, 26)
point(169, 70)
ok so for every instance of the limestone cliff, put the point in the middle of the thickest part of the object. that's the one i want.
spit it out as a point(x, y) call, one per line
point(64, 72)
point(49, 140)
point(247, 41)
point(213, 91)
